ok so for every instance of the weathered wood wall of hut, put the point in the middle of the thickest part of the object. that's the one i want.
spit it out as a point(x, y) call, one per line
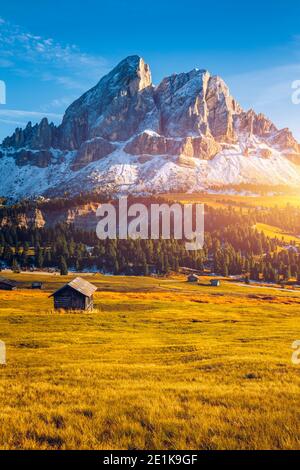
point(69, 299)
point(6, 286)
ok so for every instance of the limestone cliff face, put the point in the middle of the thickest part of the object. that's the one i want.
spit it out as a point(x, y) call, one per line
point(114, 109)
point(125, 104)
point(40, 136)
point(254, 124)
point(32, 218)
point(196, 103)
point(92, 151)
point(83, 217)
point(204, 147)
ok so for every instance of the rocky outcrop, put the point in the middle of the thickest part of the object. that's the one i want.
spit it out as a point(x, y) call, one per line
point(185, 161)
point(284, 140)
point(114, 109)
point(204, 148)
point(39, 221)
point(125, 102)
point(222, 109)
point(82, 217)
point(196, 103)
point(152, 144)
point(264, 153)
point(254, 124)
point(91, 151)
point(40, 136)
point(41, 158)
point(181, 101)
point(262, 126)
point(32, 218)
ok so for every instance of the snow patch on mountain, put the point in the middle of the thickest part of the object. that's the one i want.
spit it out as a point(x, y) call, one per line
point(121, 172)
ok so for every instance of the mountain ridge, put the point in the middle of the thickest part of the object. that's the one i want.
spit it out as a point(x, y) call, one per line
point(127, 135)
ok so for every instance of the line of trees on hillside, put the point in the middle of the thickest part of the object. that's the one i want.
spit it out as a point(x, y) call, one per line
point(232, 247)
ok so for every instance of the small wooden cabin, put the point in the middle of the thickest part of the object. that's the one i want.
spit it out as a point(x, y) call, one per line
point(76, 295)
point(7, 284)
point(37, 285)
point(215, 282)
point(192, 278)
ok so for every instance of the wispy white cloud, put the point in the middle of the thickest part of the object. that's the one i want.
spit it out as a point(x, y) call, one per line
point(266, 86)
point(29, 56)
point(20, 117)
point(62, 102)
point(12, 122)
point(269, 91)
point(48, 59)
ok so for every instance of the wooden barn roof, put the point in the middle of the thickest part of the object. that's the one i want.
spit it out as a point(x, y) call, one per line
point(80, 285)
point(8, 282)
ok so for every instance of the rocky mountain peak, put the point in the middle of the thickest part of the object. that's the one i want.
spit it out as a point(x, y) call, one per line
point(126, 133)
point(130, 75)
point(136, 73)
point(114, 108)
point(40, 136)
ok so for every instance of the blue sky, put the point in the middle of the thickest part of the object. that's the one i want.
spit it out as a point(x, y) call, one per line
point(51, 52)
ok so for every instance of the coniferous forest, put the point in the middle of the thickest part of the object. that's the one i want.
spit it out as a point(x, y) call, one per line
point(233, 246)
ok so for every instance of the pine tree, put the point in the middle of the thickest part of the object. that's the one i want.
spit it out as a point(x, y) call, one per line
point(287, 273)
point(63, 267)
point(15, 266)
point(145, 267)
point(116, 267)
point(224, 269)
point(77, 265)
point(39, 258)
point(166, 263)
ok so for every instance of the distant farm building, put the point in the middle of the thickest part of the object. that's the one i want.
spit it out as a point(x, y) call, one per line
point(7, 284)
point(192, 278)
point(76, 295)
point(215, 282)
point(37, 285)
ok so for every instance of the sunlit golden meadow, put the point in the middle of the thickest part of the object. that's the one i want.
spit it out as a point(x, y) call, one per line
point(158, 364)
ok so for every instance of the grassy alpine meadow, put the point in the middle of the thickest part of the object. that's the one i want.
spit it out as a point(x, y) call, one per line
point(235, 199)
point(158, 364)
point(275, 232)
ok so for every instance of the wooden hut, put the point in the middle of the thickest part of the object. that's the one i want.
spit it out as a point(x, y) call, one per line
point(76, 295)
point(7, 284)
point(192, 278)
point(37, 285)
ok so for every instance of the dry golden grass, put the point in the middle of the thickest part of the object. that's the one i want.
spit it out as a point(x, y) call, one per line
point(159, 364)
